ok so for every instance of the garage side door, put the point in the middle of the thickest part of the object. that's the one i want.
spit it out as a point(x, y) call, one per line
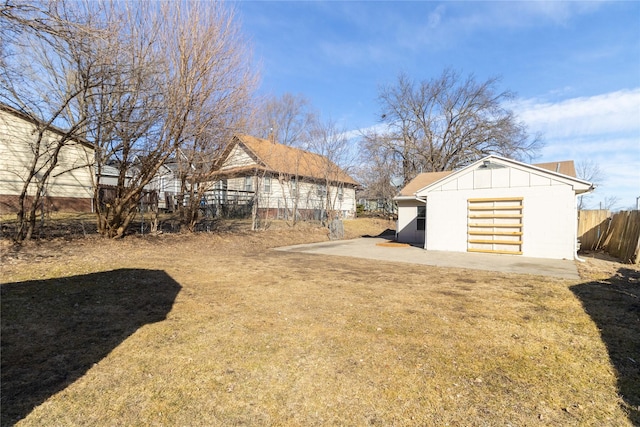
point(495, 225)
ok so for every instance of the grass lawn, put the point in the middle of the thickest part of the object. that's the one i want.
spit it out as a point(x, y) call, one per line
point(216, 329)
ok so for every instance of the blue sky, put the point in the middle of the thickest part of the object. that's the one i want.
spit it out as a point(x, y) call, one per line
point(574, 66)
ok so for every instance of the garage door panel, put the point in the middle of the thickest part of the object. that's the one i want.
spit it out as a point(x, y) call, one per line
point(495, 225)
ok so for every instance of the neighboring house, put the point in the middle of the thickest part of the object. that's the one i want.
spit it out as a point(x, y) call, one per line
point(167, 184)
point(108, 176)
point(378, 206)
point(494, 205)
point(285, 182)
point(70, 185)
point(164, 184)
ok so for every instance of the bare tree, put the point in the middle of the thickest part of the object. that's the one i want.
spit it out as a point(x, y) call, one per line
point(590, 171)
point(445, 123)
point(287, 176)
point(286, 119)
point(128, 114)
point(140, 81)
point(610, 203)
point(377, 173)
point(180, 80)
point(211, 85)
point(335, 158)
point(44, 74)
point(290, 186)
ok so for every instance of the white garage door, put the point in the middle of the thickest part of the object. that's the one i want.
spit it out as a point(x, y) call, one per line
point(495, 225)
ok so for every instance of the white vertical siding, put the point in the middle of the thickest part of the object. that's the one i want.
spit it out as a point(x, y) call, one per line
point(549, 211)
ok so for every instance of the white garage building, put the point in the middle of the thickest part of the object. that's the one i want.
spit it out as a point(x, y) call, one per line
point(495, 205)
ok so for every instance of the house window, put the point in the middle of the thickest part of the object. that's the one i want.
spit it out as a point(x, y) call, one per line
point(294, 186)
point(266, 184)
point(321, 190)
point(340, 193)
point(422, 217)
point(248, 183)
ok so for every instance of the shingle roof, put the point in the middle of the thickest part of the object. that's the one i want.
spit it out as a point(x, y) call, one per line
point(422, 181)
point(565, 167)
point(279, 158)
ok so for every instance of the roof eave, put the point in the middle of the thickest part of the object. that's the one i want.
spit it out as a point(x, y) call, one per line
point(566, 178)
point(543, 170)
point(405, 198)
point(585, 191)
point(252, 169)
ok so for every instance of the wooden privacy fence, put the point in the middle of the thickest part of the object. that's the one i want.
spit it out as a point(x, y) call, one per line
point(623, 239)
point(618, 235)
point(592, 224)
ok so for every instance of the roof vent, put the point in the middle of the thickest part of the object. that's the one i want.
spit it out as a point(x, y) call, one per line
point(487, 164)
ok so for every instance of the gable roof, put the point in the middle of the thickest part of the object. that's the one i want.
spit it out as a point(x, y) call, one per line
point(278, 158)
point(564, 169)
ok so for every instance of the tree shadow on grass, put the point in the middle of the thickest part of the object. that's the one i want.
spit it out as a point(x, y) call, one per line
point(54, 330)
point(614, 305)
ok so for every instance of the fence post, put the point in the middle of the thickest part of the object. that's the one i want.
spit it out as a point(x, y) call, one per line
point(142, 214)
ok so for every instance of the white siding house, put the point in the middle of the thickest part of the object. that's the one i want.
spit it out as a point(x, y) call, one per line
point(285, 181)
point(167, 186)
point(70, 186)
point(495, 205)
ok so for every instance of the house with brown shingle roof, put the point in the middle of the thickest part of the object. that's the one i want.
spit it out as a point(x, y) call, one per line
point(495, 205)
point(286, 182)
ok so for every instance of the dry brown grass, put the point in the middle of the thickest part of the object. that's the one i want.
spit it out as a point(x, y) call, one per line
point(215, 329)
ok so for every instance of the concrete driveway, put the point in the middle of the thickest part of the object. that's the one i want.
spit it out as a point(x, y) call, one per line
point(368, 247)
